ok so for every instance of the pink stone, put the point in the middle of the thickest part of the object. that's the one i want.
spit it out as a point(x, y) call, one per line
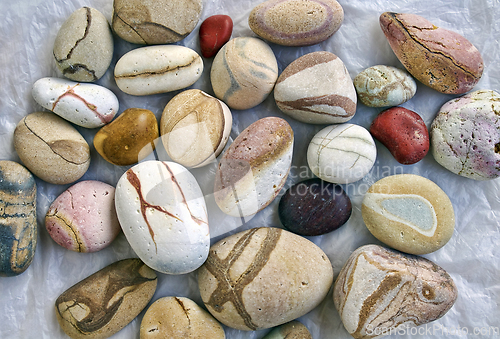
point(215, 31)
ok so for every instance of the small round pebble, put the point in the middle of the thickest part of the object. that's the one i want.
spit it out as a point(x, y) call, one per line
point(314, 207)
point(215, 31)
point(179, 318)
point(465, 135)
point(403, 132)
point(292, 330)
point(83, 218)
point(409, 213)
point(341, 153)
point(244, 72)
point(381, 86)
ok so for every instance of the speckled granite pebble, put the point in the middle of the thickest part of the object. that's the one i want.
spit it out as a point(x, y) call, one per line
point(381, 86)
point(465, 135)
point(409, 213)
point(83, 48)
point(83, 218)
point(379, 289)
point(296, 23)
point(18, 225)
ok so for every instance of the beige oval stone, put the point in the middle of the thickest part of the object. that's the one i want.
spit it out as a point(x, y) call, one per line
point(292, 330)
point(409, 213)
point(84, 46)
point(195, 128)
point(105, 302)
point(179, 318)
point(152, 22)
point(263, 277)
point(379, 289)
point(51, 148)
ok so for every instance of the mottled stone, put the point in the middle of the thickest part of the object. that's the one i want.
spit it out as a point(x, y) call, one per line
point(465, 135)
point(254, 168)
point(179, 318)
point(157, 69)
point(129, 138)
point(317, 89)
point(263, 277)
point(381, 291)
point(83, 48)
point(83, 218)
point(409, 213)
point(441, 59)
point(51, 148)
point(244, 72)
point(18, 226)
point(215, 31)
point(291, 330)
point(195, 128)
point(342, 153)
point(381, 86)
point(314, 207)
point(105, 302)
point(162, 212)
point(86, 105)
point(403, 132)
point(152, 22)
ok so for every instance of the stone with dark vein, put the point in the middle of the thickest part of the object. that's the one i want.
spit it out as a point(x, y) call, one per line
point(163, 215)
point(381, 291)
point(105, 302)
point(51, 148)
point(439, 58)
point(263, 277)
point(155, 22)
point(317, 89)
point(83, 47)
point(18, 226)
point(179, 318)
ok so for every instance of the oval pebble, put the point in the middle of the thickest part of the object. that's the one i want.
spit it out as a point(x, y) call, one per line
point(157, 69)
point(381, 86)
point(162, 212)
point(314, 207)
point(254, 168)
point(296, 23)
point(105, 302)
point(341, 153)
point(51, 148)
point(83, 218)
point(215, 31)
point(409, 213)
point(465, 135)
point(441, 59)
point(18, 225)
point(86, 105)
point(317, 89)
point(244, 72)
point(292, 330)
point(129, 138)
point(195, 128)
point(384, 291)
point(403, 132)
point(179, 318)
point(263, 277)
point(152, 22)
point(83, 47)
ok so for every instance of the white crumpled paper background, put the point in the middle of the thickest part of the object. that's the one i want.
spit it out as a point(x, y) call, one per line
point(472, 257)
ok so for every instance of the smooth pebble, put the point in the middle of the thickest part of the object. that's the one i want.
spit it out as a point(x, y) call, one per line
point(292, 330)
point(214, 32)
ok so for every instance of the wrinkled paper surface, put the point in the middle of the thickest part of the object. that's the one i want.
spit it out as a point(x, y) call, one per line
point(472, 257)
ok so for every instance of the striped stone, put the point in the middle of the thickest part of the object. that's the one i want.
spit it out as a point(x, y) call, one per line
point(18, 226)
point(317, 89)
point(263, 277)
point(379, 291)
point(105, 302)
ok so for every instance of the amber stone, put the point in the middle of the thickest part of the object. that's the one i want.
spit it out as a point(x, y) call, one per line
point(128, 139)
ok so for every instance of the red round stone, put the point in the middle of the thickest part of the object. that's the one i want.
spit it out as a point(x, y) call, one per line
point(403, 132)
point(215, 31)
